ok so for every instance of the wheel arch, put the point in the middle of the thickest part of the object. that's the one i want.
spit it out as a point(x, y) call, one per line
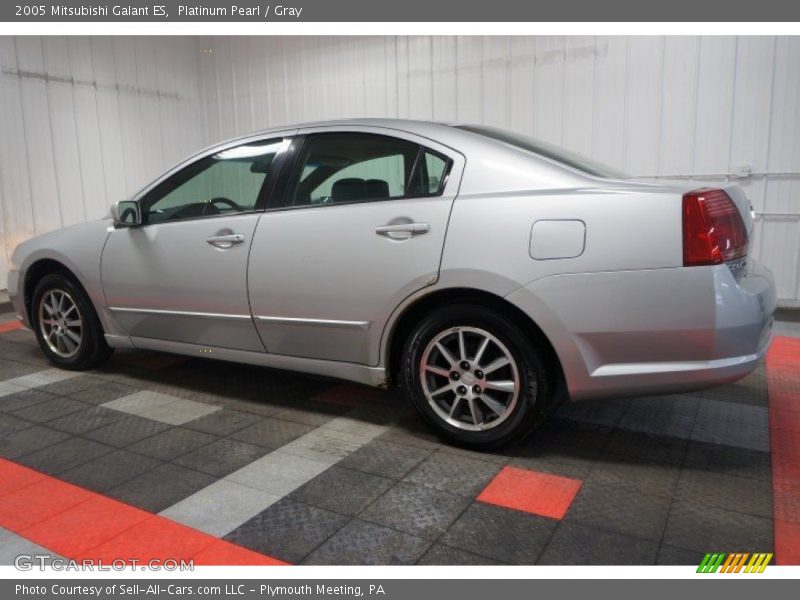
point(34, 274)
point(413, 313)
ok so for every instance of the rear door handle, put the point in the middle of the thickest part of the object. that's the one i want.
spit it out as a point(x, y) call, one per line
point(225, 241)
point(403, 231)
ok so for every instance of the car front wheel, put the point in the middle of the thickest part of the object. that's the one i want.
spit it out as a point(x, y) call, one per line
point(475, 376)
point(66, 325)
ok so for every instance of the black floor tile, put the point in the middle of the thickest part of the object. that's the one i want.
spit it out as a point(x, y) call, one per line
point(55, 407)
point(647, 447)
point(362, 543)
point(588, 437)
point(670, 555)
point(26, 399)
point(287, 530)
point(386, 459)
point(83, 421)
point(412, 431)
point(31, 439)
point(454, 474)
point(439, 554)
point(728, 460)
point(713, 490)
point(505, 535)
point(342, 490)
point(555, 459)
point(637, 476)
point(162, 487)
point(618, 508)
point(64, 455)
point(221, 457)
point(9, 369)
point(109, 470)
point(103, 392)
point(415, 509)
point(670, 416)
point(705, 528)
point(171, 443)
point(576, 544)
point(71, 386)
point(127, 430)
point(223, 422)
point(10, 424)
point(271, 433)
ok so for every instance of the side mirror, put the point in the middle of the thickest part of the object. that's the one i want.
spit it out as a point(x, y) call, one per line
point(126, 213)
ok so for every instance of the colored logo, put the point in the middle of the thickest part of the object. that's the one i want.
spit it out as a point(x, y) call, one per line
point(735, 563)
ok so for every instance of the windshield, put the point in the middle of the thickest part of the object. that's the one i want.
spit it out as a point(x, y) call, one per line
point(551, 151)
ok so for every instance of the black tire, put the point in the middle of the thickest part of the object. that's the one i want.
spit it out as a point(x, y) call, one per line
point(534, 395)
point(92, 349)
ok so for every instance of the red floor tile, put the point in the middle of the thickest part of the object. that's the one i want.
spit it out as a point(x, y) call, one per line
point(530, 491)
point(14, 477)
point(10, 326)
point(787, 543)
point(35, 503)
point(225, 553)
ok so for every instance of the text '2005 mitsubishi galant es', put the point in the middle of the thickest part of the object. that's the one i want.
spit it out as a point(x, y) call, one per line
point(485, 272)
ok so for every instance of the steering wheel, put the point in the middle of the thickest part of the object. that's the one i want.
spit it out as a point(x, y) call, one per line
point(226, 201)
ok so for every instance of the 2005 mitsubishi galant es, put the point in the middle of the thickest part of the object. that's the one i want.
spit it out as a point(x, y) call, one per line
point(486, 272)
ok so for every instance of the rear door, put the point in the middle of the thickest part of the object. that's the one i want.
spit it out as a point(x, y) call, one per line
point(357, 226)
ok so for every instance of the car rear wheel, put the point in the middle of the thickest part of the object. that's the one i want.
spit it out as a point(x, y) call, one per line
point(66, 324)
point(475, 376)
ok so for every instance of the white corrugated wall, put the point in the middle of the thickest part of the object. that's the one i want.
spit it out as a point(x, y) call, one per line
point(708, 107)
point(87, 121)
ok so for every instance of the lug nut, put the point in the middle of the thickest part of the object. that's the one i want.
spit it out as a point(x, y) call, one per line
point(461, 390)
point(455, 376)
point(479, 374)
point(464, 365)
point(476, 389)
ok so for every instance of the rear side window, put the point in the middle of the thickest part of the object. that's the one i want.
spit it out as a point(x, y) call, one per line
point(336, 168)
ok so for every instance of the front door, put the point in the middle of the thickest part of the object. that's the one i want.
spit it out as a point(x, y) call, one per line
point(182, 275)
point(360, 226)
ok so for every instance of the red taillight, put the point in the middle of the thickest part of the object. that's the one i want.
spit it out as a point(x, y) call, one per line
point(713, 230)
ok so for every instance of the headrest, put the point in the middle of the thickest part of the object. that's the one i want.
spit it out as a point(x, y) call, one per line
point(349, 189)
point(377, 188)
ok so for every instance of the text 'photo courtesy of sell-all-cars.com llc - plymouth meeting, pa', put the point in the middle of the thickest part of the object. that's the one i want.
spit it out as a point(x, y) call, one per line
point(490, 275)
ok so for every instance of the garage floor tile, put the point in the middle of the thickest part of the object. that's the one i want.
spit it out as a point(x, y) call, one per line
point(417, 510)
point(362, 543)
point(669, 416)
point(161, 487)
point(220, 508)
point(221, 457)
point(103, 392)
point(505, 535)
point(342, 490)
point(271, 433)
point(31, 439)
point(670, 555)
point(700, 527)
point(744, 495)
point(386, 459)
point(454, 474)
point(647, 447)
point(13, 545)
point(171, 443)
point(24, 399)
point(439, 554)
point(732, 424)
point(85, 420)
point(728, 460)
point(126, 431)
point(637, 476)
point(278, 473)
point(10, 424)
point(288, 530)
point(48, 410)
point(109, 470)
point(617, 508)
point(575, 544)
point(161, 407)
point(555, 459)
point(223, 422)
point(64, 455)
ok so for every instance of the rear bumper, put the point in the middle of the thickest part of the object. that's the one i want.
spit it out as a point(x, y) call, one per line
point(658, 331)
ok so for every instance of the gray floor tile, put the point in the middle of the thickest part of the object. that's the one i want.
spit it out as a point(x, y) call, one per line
point(31, 439)
point(744, 495)
point(454, 474)
point(342, 490)
point(271, 433)
point(161, 487)
point(732, 424)
point(702, 528)
point(439, 554)
point(221, 457)
point(508, 536)
point(278, 473)
point(556, 460)
point(26, 398)
point(636, 476)
point(362, 543)
point(10, 424)
point(161, 407)
point(126, 431)
point(83, 421)
point(416, 510)
point(670, 416)
point(102, 393)
point(13, 545)
point(670, 555)
point(41, 412)
point(287, 530)
point(729, 460)
point(576, 544)
point(65, 455)
point(109, 470)
point(386, 459)
point(223, 422)
point(172, 443)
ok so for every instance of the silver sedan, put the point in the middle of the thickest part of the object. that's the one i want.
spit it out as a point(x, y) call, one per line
point(487, 273)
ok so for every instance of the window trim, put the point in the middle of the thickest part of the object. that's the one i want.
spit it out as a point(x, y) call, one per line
point(264, 195)
point(279, 200)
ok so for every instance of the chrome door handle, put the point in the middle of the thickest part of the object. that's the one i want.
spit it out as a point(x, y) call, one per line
point(403, 231)
point(225, 241)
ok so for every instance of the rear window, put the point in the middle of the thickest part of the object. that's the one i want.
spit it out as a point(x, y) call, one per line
point(551, 151)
